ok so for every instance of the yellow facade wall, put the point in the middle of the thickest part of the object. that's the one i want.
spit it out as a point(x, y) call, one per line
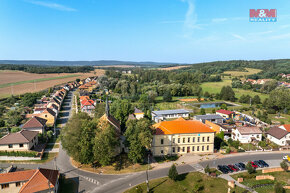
point(182, 144)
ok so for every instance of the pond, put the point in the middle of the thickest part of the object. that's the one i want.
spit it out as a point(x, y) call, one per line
point(211, 105)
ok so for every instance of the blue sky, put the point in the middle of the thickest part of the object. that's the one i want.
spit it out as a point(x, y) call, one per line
point(182, 31)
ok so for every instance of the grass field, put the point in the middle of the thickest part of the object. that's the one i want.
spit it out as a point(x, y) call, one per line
point(18, 82)
point(240, 73)
point(186, 183)
point(282, 177)
point(215, 87)
point(174, 68)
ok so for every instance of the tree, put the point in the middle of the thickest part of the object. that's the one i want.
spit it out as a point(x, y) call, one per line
point(278, 187)
point(139, 137)
point(121, 110)
point(256, 99)
point(15, 129)
point(14, 117)
point(206, 169)
point(250, 168)
point(227, 93)
point(173, 174)
point(2, 123)
point(100, 110)
point(167, 96)
point(105, 144)
point(202, 111)
point(284, 165)
point(224, 106)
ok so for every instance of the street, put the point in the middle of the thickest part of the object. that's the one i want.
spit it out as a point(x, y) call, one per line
point(101, 183)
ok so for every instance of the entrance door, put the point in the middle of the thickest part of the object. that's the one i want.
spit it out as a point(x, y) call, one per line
point(188, 149)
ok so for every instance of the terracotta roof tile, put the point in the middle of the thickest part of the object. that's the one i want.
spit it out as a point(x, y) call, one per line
point(287, 127)
point(226, 112)
point(34, 122)
point(277, 132)
point(22, 136)
point(181, 126)
point(16, 176)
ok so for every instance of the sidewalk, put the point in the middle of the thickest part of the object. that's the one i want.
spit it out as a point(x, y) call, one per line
point(229, 178)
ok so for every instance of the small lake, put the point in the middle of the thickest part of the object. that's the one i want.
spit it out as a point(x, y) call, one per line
point(211, 105)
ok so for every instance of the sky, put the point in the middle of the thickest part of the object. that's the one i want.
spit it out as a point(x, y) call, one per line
point(178, 31)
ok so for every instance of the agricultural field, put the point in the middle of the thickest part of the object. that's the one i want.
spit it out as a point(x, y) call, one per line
point(18, 82)
point(240, 73)
point(173, 68)
point(215, 87)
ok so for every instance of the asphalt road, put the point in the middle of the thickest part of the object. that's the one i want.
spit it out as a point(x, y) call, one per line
point(100, 183)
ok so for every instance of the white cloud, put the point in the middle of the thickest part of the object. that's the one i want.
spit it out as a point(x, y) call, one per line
point(238, 37)
point(218, 20)
point(190, 16)
point(281, 36)
point(51, 5)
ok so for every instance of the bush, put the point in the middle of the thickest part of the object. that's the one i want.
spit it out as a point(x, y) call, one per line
point(206, 169)
point(250, 168)
point(284, 165)
point(262, 143)
point(197, 188)
point(18, 153)
point(279, 188)
point(173, 174)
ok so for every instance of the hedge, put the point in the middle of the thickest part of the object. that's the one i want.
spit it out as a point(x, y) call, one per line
point(18, 153)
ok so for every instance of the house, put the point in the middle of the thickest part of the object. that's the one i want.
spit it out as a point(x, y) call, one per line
point(35, 124)
point(213, 126)
point(158, 116)
point(225, 113)
point(212, 118)
point(38, 110)
point(285, 127)
point(279, 136)
point(29, 181)
point(263, 81)
point(49, 115)
point(23, 140)
point(138, 113)
point(88, 106)
point(182, 136)
point(131, 117)
point(247, 134)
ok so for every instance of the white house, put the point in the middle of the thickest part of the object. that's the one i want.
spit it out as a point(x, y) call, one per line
point(158, 116)
point(247, 134)
point(279, 136)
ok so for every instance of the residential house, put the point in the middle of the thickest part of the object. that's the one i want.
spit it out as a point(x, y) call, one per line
point(35, 124)
point(29, 181)
point(212, 118)
point(158, 116)
point(88, 106)
point(23, 140)
point(182, 136)
point(49, 115)
point(138, 113)
point(279, 136)
point(213, 126)
point(225, 113)
point(247, 134)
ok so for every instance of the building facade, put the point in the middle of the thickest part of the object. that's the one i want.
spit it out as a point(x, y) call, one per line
point(181, 137)
point(158, 116)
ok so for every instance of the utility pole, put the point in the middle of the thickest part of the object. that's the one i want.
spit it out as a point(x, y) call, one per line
point(147, 181)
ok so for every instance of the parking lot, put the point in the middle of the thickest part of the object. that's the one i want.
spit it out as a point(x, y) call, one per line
point(225, 169)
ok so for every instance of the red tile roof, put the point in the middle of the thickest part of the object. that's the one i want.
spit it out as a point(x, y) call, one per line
point(16, 176)
point(287, 127)
point(87, 103)
point(226, 112)
point(40, 180)
point(34, 122)
point(181, 126)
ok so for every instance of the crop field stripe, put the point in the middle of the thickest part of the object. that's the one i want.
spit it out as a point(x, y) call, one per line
point(37, 80)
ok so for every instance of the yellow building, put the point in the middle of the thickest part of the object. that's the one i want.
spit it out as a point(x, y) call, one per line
point(214, 126)
point(49, 115)
point(182, 136)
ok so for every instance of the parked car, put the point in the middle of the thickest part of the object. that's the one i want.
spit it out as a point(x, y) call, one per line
point(233, 168)
point(237, 165)
point(222, 169)
point(229, 169)
point(242, 165)
point(264, 163)
point(260, 165)
point(254, 165)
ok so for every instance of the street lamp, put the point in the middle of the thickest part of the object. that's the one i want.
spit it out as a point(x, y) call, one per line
point(147, 180)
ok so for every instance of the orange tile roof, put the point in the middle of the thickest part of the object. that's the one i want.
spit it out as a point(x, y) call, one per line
point(287, 127)
point(181, 126)
point(16, 176)
point(39, 181)
point(84, 98)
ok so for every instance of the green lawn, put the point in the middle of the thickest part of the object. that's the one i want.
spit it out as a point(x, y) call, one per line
point(240, 73)
point(282, 177)
point(37, 80)
point(248, 146)
point(186, 183)
point(215, 87)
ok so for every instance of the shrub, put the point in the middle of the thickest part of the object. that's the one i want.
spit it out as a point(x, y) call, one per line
point(206, 169)
point(284, 165)
point(18, 153)
point(197, 188)
point(279, 188)
point(139, 189)
point(173, 174)
point(250, 168)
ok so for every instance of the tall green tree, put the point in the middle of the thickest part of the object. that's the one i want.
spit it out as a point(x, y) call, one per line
point(105, 144)
point(14, 117)
point(121, 110)
point(227, 93)
point(173, 174)
point(139, 137)
point(167, 97)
